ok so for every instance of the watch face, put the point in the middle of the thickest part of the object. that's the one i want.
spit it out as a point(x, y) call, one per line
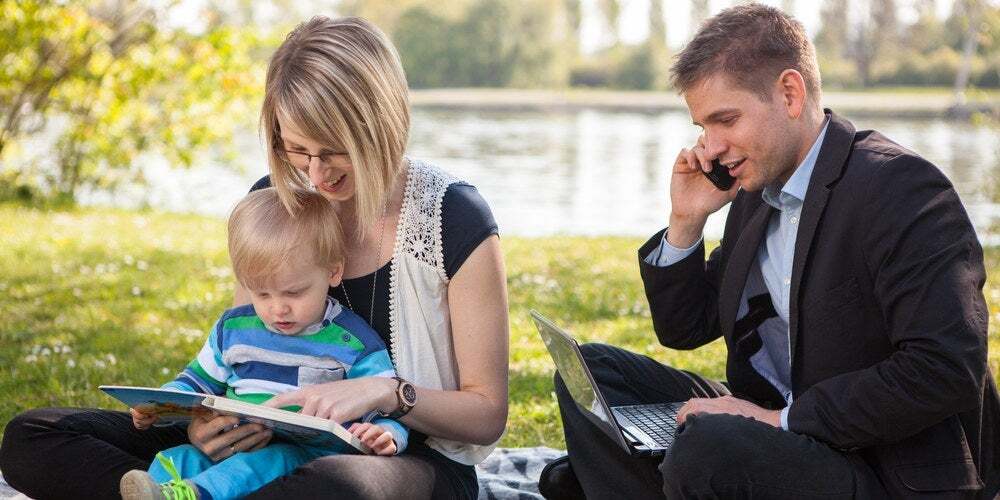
point(409, 394)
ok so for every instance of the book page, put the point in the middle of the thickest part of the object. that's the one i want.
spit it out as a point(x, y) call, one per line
point(168, 404)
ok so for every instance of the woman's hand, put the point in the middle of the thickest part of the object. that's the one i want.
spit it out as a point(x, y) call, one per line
point(343, 400)
point(220, 436)
point(141, 420)
point(375, 437)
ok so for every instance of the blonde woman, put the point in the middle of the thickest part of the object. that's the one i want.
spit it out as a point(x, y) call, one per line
point(424, 268)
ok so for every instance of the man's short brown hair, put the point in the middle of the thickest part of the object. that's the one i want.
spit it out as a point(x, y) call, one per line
point(751, 45)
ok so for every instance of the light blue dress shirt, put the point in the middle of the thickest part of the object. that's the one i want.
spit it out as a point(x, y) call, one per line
point(772, 274)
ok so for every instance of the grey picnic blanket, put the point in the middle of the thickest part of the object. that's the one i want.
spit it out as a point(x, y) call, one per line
point(507, 474)
point(512, 473)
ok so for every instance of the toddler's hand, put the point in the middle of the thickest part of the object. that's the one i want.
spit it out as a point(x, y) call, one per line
point(141, 420)
point(375, 437)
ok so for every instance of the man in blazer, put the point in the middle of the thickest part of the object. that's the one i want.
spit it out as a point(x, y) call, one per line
point(847, 287)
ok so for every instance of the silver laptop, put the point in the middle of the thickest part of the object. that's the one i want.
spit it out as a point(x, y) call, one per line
point(640, 430)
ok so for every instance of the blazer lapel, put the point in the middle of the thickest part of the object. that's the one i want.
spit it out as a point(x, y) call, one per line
point(829, 166)
point(735, 276)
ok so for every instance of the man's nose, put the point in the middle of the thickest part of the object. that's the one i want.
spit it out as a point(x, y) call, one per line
point(715, 145)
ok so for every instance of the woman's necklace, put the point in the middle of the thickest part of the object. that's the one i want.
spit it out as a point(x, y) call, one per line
point(378, 260)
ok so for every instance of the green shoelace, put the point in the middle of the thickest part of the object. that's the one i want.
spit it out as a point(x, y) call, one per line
point(176, 488)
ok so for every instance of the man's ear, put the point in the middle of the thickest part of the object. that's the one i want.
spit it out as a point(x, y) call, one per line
point(792, 89)
point(336, 274)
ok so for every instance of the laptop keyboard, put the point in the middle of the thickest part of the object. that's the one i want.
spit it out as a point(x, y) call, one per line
point(657, 421)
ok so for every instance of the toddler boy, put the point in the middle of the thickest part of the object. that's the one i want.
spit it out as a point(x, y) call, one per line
point(290, 335)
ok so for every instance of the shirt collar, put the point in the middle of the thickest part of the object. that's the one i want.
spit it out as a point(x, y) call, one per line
point(794, 191)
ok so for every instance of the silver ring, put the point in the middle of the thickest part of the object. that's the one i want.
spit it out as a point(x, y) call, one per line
point(233, 448)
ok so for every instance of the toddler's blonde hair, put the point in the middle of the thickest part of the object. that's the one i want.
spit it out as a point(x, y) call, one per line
point(264, 235)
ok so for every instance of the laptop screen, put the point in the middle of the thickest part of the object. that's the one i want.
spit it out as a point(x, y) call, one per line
point(570, 364)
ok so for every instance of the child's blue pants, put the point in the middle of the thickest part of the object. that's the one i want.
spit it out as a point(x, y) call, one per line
point(240, 474)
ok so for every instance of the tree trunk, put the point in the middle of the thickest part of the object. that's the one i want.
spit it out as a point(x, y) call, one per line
point(968, 50)
point(699, 12)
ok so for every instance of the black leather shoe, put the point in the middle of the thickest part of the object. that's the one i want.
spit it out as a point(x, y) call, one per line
point(558, 482)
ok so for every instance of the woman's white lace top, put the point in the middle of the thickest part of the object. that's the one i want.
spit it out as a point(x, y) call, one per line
point(419, 318)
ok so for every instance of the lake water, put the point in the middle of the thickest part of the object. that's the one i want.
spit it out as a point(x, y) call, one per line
point(582, 172)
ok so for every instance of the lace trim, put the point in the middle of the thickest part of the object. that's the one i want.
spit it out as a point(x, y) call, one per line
point(418, 232)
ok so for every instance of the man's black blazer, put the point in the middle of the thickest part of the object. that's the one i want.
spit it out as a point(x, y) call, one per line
point(887, 317)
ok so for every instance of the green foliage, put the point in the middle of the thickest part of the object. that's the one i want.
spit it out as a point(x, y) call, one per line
point(386, 14)
point(14, 189)
point(109, 83)
point(937, 67)
point(927, 52)
point(591, 73)
point(102, 296)
point(632, 67)
point(638, 70)
point(423, 41)
point(493, 43)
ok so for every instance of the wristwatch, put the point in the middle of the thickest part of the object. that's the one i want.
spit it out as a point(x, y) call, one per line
point(406, 395)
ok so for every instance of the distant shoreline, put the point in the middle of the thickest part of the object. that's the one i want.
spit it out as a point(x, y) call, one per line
point(879, 103)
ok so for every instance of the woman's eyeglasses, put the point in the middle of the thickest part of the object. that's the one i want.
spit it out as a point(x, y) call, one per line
point(302, 159)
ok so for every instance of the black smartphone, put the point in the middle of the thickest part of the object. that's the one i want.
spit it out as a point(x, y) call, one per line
point(719, 175)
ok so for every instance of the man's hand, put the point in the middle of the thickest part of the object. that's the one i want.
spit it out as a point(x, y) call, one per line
point(693, 197)
point(142, 420)
point(375, 437)
point(731, 406)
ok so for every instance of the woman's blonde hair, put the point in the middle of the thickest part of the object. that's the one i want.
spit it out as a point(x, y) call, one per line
point(264, 235)
point(341, 83)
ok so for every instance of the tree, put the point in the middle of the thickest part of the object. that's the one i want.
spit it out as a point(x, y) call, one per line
point(611, 10)
point(108, 83)
point(544, 46)
point(387, 13)
point(659, 54)
point(495, 43)
point(657, 26)
point(574, 18)
point(874, 36)
point(788, 6)
point(925, 34)
point(971, 11)
point(699, 12)
point(49, 47)
point(831, 40)
point(424, 40)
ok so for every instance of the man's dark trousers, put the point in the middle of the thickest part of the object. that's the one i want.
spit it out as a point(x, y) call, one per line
point(714, 456)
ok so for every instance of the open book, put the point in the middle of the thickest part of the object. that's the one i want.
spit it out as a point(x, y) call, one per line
point(173, 405)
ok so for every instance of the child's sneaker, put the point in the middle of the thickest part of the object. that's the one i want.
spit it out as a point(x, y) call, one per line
point(140, 485)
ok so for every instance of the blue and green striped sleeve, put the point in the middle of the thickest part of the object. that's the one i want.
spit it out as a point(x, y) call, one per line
point(207, 373)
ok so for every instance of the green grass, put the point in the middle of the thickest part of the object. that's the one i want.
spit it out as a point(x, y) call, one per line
point(95, 296)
